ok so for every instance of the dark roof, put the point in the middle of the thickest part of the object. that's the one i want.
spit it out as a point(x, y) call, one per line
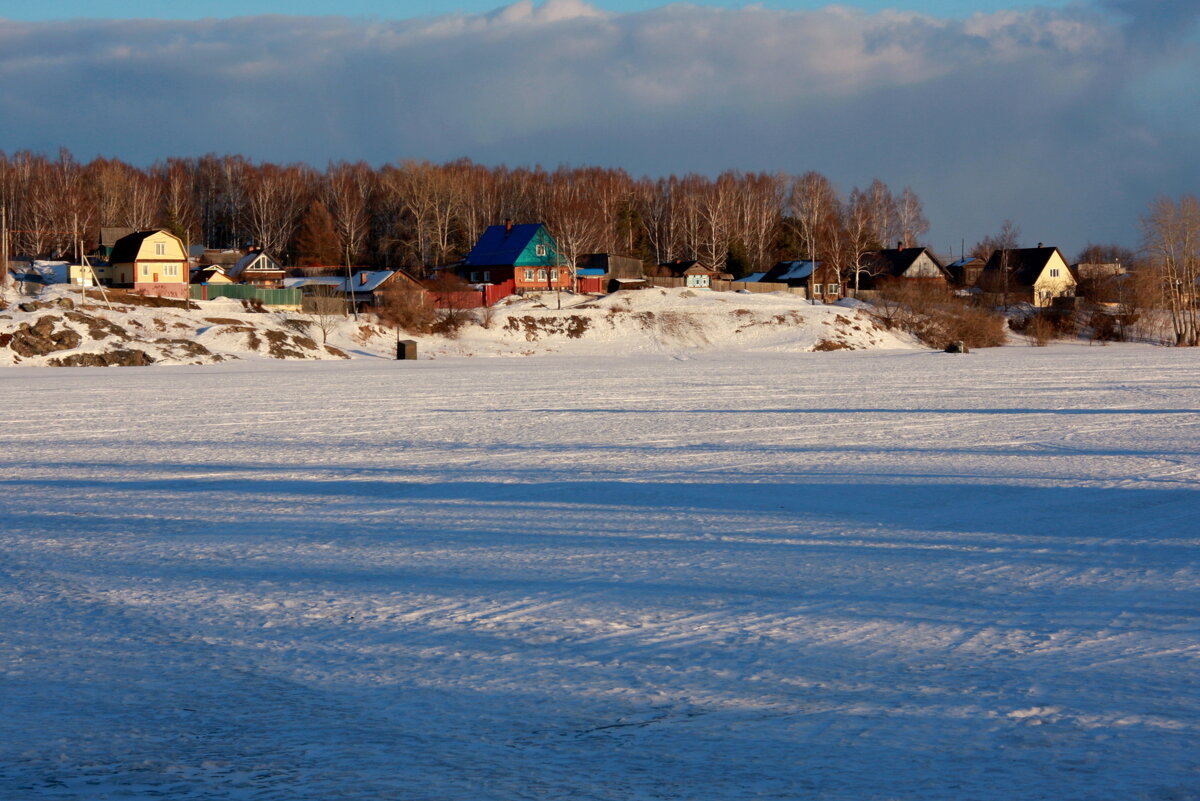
point(786, 272)
point(125, 249)
point(895, 261)
point(1024, 264)
point(502, 246)
point(109, 235)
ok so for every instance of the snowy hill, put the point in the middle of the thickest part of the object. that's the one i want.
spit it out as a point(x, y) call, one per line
point(61, 327)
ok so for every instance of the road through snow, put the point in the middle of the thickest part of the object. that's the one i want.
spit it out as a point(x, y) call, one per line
point(873, 575)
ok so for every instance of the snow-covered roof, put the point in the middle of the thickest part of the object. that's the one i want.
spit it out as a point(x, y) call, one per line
point(374, 279)
point(797, 270)
point(368, 280)
point(752, 278)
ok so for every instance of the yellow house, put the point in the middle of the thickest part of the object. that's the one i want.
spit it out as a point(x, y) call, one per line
point(150, 262)
point(1033, 275)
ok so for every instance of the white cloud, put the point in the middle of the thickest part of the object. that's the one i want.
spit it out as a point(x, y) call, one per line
point(1024, 114)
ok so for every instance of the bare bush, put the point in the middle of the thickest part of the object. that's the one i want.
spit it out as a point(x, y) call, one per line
point(1040, 330)
point(407, 308)
point(326, 308)
point(935, 316)
point(453, 296)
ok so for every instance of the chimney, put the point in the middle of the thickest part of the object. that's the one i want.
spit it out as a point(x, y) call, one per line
point(362, 278)
point(508, 226)
point(900, 244)
point(1040, 246)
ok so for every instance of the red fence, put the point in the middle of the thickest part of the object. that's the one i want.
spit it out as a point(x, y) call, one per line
point(592, 284)
point(473, 298)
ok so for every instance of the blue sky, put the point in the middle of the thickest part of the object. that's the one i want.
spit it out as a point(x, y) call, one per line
point(394, 9)
point(1066, 118)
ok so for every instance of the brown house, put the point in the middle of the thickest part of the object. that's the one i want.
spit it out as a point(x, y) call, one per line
point(820, 281)
point(909, 264)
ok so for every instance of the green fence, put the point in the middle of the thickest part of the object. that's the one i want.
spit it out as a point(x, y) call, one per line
point(269, 297)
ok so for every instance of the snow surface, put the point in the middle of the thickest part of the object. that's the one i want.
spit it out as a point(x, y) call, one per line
point(655, 321)
point(732, 575)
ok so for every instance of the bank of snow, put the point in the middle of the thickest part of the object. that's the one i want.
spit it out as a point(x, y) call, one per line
point(670, 321)
point(63, 328)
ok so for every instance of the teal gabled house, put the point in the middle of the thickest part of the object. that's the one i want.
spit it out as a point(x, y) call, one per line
point(525, 254)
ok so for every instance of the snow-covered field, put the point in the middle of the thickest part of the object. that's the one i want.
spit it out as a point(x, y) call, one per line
point(868, 575)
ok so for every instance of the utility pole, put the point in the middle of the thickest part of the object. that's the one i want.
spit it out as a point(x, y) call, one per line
point(3, 243)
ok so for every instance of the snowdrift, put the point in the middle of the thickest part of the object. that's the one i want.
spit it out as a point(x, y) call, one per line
point(62, 327)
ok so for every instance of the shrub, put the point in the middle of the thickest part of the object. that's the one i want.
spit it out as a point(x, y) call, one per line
point(1041, 330)
point(408, 309)
point(935, 316)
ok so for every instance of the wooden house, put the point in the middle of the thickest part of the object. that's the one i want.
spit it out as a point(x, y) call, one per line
point(525, 255)
point(1026, 275)
point(965, 272)
point(257, 268)
point(150, 262)
point(819, 281)
point(901, 263)
point(693, 273)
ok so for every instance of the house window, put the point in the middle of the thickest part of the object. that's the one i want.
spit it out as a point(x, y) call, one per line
point(554, 275)
point(541, 275)
point(145, 270)
point(540, 250)
point(1054, 272)
point(832, 289)
point(160, 248)
point(474, 278)
point(487, 276)
point(171, 270)
point(529, 275)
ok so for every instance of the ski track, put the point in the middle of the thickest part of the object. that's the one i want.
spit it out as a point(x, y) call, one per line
point(873, 575)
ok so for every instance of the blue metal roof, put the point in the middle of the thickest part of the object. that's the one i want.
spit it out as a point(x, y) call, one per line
point(502, 247)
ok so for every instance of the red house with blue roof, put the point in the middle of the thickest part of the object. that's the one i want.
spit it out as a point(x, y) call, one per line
point(526, 255)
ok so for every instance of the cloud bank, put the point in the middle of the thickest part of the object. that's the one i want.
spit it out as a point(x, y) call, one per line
point(1067, 121)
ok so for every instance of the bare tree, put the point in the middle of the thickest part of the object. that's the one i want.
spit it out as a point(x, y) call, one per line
point(1171, 237)
point(277, 198)
point(325, 308)
point(813, 204)
point(178, 194)
point(860, 231)
point(1003, 242)
point(348, 191)
point(910, 217)
point(884, 213)
point(573, 216)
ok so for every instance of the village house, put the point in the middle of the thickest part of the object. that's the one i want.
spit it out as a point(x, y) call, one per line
point(150, 262)
point(604, 272)
point(107, 239)
point(909, 264)
point(519, 258)
point(256, 268)
point(693, 274)
point(1026, 275)
point(965, 272)
point(366, 288)
point(819, 281)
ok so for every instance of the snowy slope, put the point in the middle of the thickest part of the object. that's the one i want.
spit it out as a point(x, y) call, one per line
point(870, 575)
point(675, 321)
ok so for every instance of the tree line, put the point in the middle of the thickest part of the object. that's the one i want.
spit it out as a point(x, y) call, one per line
point(416, 215)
